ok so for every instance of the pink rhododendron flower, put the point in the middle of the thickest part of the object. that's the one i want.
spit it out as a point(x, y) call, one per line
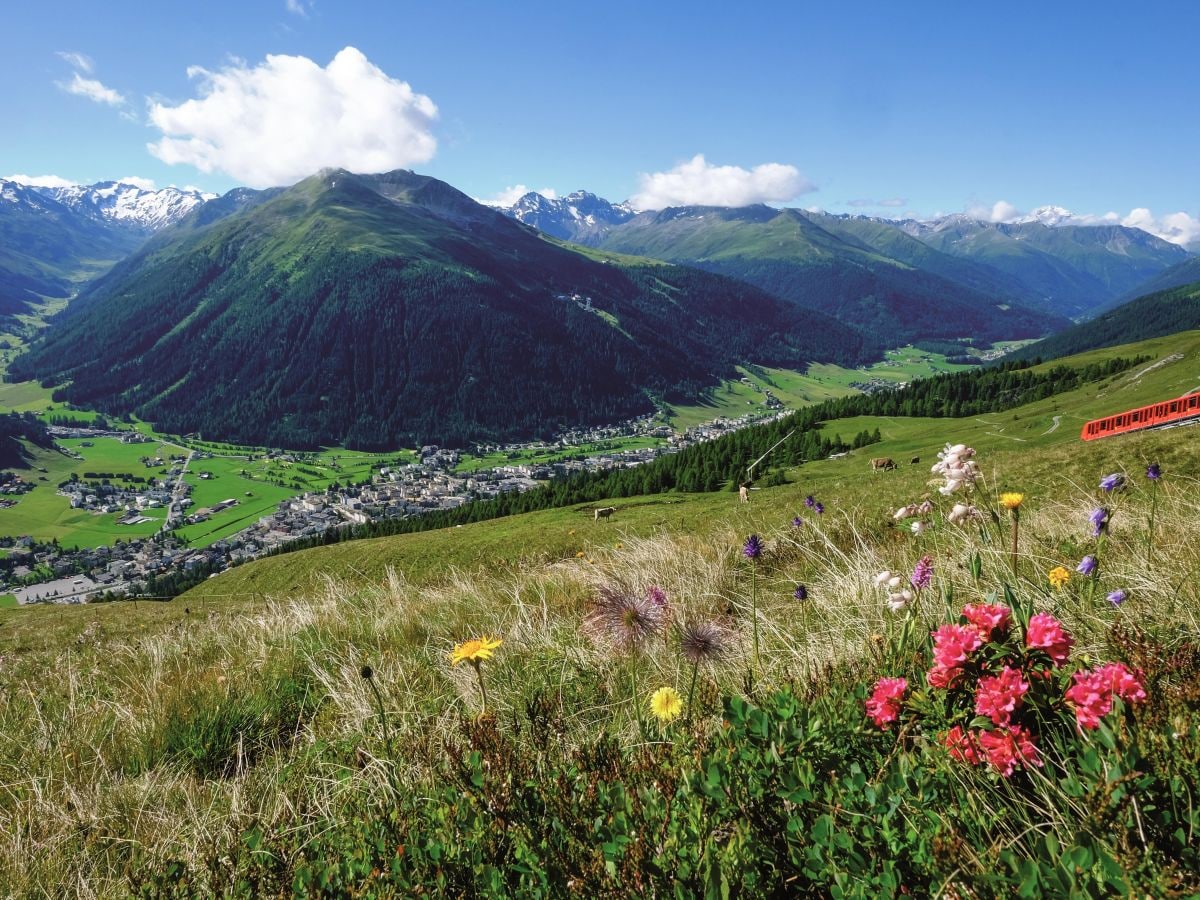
point(999, 695)
point(988, 618)
point(883, 706)
point(1092, 693)
point(943, 678)
point(1047, 633)
point(1007, 747)
point(963, 746)
point(952, 644)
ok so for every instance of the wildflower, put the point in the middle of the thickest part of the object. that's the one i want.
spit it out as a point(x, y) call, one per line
point(820, 509)
point(623, 620)
point(952, 644)
point(473, 651)
point(1058, 576)
point(898, 600)
point(580, 555)
point(1011, 500)
point(797, 522)
point(801, 592)
point(939, 677)
point(1154, 471)
point(1089, 698)
point(657, 596)
point(1117, 597)
point(956, 465)
point(919, 528)
point(905, 512)
point(999, 696)
point(705, 642)
point(961, 513)
point(923, 573)
point(894, 582)
point(1087, 565)
point(366, 672)
point(883, 578)
point(1006, 747)
point(963, 746)
point(754, 547)
point(666, 704)
point(1047, 633)
point(925, 508)
point(1122, 682)
point(1113, 482)
point(988, 618)
point(810, 501)
point(1099, 519)
point(883, 706)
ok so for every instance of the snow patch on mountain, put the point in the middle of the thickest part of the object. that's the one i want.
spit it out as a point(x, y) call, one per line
point(579, 216)
point(128, 205)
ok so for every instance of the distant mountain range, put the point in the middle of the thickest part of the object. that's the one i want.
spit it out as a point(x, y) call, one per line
point(52, 240)
point(1045, 261)
point(392, 310)
point(580, 217)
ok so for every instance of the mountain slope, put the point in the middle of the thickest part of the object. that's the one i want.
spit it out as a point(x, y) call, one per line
point(792, 256)
point(128, 206)
point(387, 310)
point(1155, 315)
point(1178, 275)
point(1070, 269)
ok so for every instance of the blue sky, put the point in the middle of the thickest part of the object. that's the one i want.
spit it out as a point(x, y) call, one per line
point(945, 107)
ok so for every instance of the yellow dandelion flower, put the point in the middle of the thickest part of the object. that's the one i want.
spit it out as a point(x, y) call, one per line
point(572, 531)
point(1058, 576)
point(1011, 500)
point(475, 650)
point(580, 555)
point(620, 546)
point(666, 704)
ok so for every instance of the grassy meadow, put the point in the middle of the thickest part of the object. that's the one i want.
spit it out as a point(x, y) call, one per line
point(295, 726)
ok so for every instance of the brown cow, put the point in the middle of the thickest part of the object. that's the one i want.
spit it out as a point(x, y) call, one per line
point(882, 464)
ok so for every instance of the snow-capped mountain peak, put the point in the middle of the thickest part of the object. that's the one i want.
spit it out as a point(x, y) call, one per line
point(579, 216)
point(128, 205)
point(1047, 215)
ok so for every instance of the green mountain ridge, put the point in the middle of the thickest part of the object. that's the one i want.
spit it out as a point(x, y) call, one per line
point(792, 255)
point(382, 311)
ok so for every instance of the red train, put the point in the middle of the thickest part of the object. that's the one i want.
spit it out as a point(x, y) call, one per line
point(1154, 416)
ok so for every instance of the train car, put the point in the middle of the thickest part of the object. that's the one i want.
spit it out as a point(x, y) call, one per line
point(1157, 415)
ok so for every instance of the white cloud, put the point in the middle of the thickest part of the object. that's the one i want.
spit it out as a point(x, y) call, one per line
point(79, 61)
point(93, 90)
point(894, 201)
point(511, 195)
point(146, 184)
point(49, 181)
point(698, 183)
point(297, 7)
point(1178, 228)
point(287, 117)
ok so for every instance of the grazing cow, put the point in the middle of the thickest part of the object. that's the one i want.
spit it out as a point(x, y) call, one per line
point(882, 464)
point(605, 512)
point(743, 494)
point(915, 461)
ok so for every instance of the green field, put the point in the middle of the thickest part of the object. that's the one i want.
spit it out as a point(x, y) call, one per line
point(821, 381)
point(535, 455)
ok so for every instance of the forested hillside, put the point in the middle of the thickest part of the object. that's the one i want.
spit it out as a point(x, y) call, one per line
point(392, 310)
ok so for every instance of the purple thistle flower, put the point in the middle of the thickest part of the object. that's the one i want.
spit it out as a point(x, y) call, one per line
point(1154, 471)
point(923, 573)
point(657, 596)
point(754, 547)
point(1113, 482)
point(1099, 520)
point(797, 522)
point(1087, 565)
point(1117, 597)
point(820, 508)
point(810, 501)
point(801, 592)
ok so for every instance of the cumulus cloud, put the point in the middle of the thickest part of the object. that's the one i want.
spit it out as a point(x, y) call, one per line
point(287, 117)
point(93, 89)
point(699, 183)
point(888, 201)
point(511, 195)
point(146, 184)
point(79, 61)
point(1177, 228)
point(48, 181)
